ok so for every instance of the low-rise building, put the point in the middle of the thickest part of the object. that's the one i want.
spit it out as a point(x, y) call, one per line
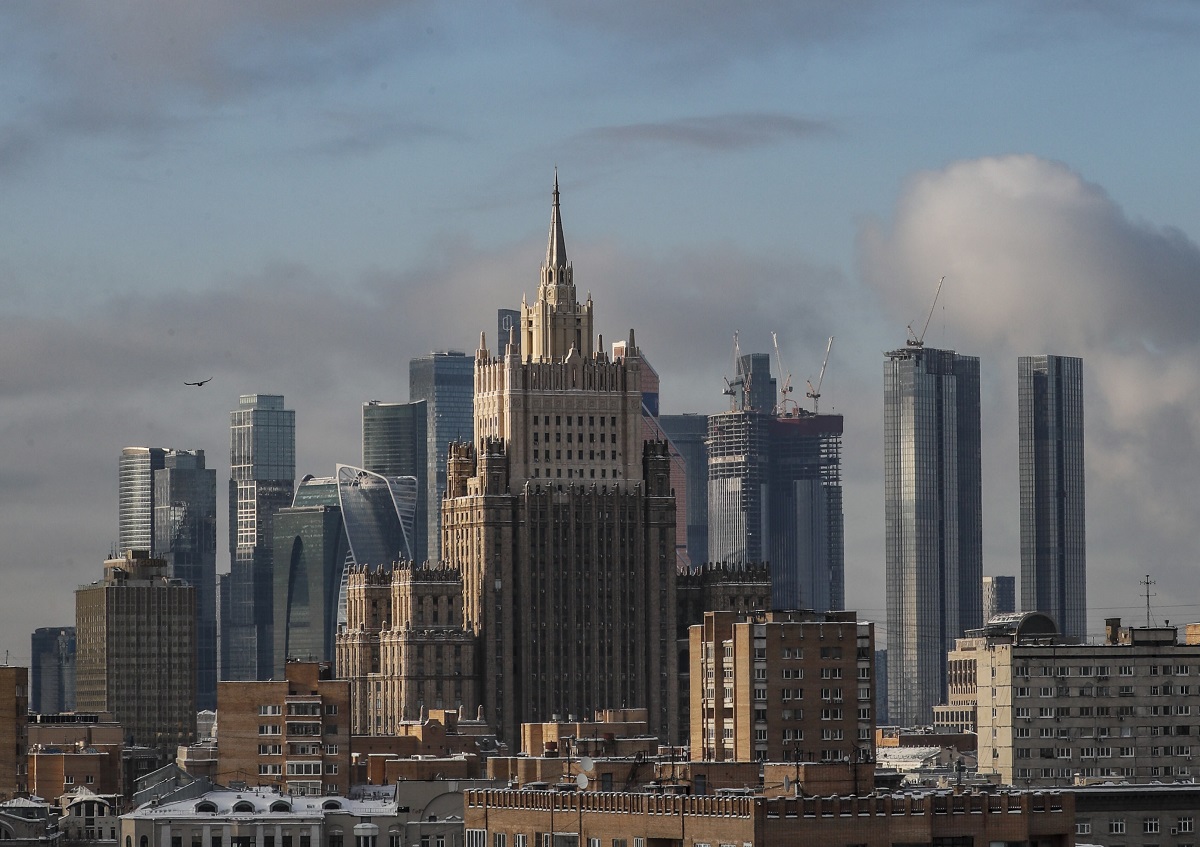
point(528, 817)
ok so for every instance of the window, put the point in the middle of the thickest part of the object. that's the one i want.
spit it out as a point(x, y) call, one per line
point(270, 710)
point(1083, 827)
point(476, 838)
point(1150, 826)
point(499, 839)
point(1185, 824)
point(1116, 826)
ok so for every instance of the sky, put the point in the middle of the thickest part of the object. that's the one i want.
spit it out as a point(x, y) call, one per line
point(297, 197)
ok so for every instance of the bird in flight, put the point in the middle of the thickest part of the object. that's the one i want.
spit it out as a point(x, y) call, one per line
point(200, 383)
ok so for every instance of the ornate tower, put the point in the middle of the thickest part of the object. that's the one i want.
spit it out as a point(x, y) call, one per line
point(562, 522)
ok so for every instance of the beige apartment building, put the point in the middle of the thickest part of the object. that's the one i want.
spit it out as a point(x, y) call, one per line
point(783, 686)
point(292, 734)
point(1051, 712)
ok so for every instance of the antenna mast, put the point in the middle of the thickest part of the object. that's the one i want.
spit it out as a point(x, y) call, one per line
point(1147, 582)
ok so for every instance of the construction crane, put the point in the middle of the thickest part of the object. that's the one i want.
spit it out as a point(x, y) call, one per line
point(915, 340)
point(815, 393)
point(737, 385)
point(783, 409)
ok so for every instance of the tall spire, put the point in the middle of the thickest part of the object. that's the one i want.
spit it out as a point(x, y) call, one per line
point(556, 250)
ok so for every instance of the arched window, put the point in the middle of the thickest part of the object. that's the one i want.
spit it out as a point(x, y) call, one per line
point(331, 804)
point(128, 841)
point(280, 806)
point(206, 806)
point(243, 806)
point(145, 841)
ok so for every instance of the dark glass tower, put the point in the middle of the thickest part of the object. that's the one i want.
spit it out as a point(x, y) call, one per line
point(446, 382)
point(52, 670)
point(395, 442)
point(687, 434)
point(185, 537)
point(933, 520)
point(262, 473)
point(1053, 548)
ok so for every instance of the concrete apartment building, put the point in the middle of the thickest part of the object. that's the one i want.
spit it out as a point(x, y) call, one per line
point(782, 686)
point(1050, 711)
point(14, 706)
point(135, 637)
point(292, 734)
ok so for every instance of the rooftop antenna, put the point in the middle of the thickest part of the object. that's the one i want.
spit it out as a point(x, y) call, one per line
point(1146, 583)
point(918, 341)
point(815, 393)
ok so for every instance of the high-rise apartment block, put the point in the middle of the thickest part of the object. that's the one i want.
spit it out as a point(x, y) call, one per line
point(933, 520)
point(14, 721)
point(136, 653)
point(185, 537)
point(562, 522)
point(135, 508)
point(52, 669)
point(1051, 710)
point(775, 494)
point(782, 687)
point(262, 474)
point(292, 733)
point(1053, 544)
point(395, 442)
point(445, 381)
point(405, 648)
point(999, 596)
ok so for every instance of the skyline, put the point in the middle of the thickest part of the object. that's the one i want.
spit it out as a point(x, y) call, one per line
point(298, 200)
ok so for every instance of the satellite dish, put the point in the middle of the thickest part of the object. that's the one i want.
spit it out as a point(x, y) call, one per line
point(582, 780)
point(586, 763)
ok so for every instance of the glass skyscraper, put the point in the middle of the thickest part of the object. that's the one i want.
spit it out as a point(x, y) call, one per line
point(687, 433)
point(135, 515)
point(1053, 546)
point(999, 596)
point(395, 443)
point(933, 520)
point(185, 537)
point(52, 670)
point(262, 473)
point(446, 381)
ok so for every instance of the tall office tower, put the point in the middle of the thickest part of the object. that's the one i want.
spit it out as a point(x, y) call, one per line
point(757, 384)
point(804, 483)
point(185, 537)
point(999, 596)
point(506, 321)
point(135, 514)
point(562, 522)
point(52, 670)
point(687, 434)
point(1053, 546)
point(775, 494)
point(446, 382)
point(14, 734)
point(262, 473)
point(933, 520)
point(395, 443)
point(136, 652)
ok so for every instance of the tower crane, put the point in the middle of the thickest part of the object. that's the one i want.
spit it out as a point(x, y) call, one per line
point(785, 388)
point(737, 385)
point(915, 340)
point(815, 393)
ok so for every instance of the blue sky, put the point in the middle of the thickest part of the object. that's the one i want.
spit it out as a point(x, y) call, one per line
point(297, 197)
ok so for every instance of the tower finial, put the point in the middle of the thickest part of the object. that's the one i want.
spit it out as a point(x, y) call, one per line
point(556, 250)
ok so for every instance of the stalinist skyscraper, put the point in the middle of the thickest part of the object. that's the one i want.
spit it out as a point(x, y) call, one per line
point(562, 520)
